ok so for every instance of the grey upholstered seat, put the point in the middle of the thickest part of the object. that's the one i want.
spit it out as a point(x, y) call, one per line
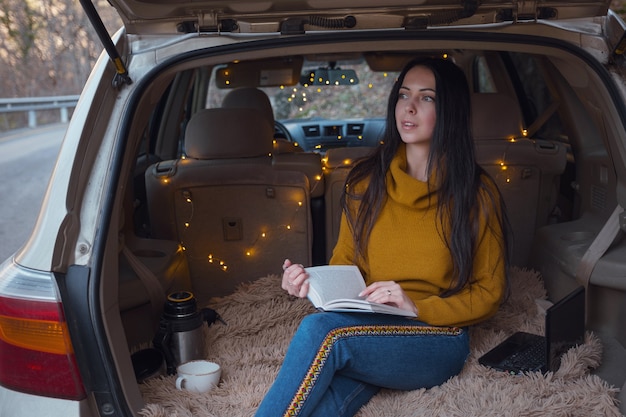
point(236, 215)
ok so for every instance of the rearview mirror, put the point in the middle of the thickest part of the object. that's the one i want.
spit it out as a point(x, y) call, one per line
point(329, 76)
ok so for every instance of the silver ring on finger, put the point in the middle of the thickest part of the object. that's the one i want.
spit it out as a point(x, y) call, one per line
point(389, 293)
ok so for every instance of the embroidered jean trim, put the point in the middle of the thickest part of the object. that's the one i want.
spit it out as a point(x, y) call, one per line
point(337, 334)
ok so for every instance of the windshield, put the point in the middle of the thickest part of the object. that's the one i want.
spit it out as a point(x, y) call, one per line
point(365, 99)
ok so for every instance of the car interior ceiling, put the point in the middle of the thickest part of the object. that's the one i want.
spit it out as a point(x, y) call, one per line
point(556, 176)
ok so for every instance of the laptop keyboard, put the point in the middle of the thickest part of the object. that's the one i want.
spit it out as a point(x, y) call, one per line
point(531, 358)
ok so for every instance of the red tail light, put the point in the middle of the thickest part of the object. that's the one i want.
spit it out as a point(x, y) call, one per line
point(36, 354)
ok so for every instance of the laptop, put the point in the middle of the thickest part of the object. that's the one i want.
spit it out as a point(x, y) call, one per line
point(526, 352)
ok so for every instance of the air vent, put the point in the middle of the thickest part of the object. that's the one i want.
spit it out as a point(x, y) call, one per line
point(334, 130)
point(355, 129)
point(598, 197)
point(311, 130)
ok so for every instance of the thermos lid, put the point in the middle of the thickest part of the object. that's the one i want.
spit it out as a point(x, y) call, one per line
point(180, 304)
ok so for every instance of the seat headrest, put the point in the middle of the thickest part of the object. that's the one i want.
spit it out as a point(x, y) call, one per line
point(495, 116)
point(250, 98)
point(228, 133)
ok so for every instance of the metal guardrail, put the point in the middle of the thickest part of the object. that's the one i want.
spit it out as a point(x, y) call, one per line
point(31, 105)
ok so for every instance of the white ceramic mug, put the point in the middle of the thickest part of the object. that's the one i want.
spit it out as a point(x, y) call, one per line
point(198, 376)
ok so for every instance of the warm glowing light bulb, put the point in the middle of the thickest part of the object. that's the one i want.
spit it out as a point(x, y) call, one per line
point(288, 227)
point(186, 224)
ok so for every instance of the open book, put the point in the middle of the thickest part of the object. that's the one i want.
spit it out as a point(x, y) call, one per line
point(337, 288)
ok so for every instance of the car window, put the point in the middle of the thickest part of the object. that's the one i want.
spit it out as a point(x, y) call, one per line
point(484, 82)
point(538, 102)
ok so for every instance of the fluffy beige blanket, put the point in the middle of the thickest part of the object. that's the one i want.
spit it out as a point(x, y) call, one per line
point(262, 318)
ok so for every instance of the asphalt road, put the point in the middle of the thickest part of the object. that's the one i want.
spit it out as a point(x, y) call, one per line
point(27, 158)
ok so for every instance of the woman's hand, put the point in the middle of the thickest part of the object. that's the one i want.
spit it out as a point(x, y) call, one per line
point(295, 279)
point(388, 292)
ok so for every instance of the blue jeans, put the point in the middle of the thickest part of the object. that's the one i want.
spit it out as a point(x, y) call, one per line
point(337, 362)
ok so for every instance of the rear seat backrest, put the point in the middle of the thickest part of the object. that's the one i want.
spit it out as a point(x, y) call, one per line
point(236, 215)
point(337, 164)
point(287, 156)
point(527, 171)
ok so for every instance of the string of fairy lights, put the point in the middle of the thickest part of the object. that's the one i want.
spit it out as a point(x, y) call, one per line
point(263, 237)
point(504, 166)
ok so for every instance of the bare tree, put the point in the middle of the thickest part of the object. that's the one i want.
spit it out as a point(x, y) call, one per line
point(47, 47)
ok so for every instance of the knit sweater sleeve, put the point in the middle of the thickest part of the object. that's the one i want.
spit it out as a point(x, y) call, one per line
point(482, 297)
point(476, 302)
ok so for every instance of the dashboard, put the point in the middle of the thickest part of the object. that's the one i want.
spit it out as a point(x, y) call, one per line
point(318, 134)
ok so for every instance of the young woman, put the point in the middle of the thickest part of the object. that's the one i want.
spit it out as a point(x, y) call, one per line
point(425, 225)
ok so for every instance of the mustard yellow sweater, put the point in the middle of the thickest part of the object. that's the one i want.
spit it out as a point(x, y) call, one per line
point(406, 247)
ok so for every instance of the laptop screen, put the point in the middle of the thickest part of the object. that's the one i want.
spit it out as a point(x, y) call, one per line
point(565, 326)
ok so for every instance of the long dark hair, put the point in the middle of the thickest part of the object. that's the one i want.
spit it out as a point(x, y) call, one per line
point(460, 181)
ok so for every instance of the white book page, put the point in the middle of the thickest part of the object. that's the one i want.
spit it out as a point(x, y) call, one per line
point(337, 288)
point(331, 282)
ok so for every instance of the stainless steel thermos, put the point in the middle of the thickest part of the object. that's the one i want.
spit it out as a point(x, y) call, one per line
point(180, 336)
